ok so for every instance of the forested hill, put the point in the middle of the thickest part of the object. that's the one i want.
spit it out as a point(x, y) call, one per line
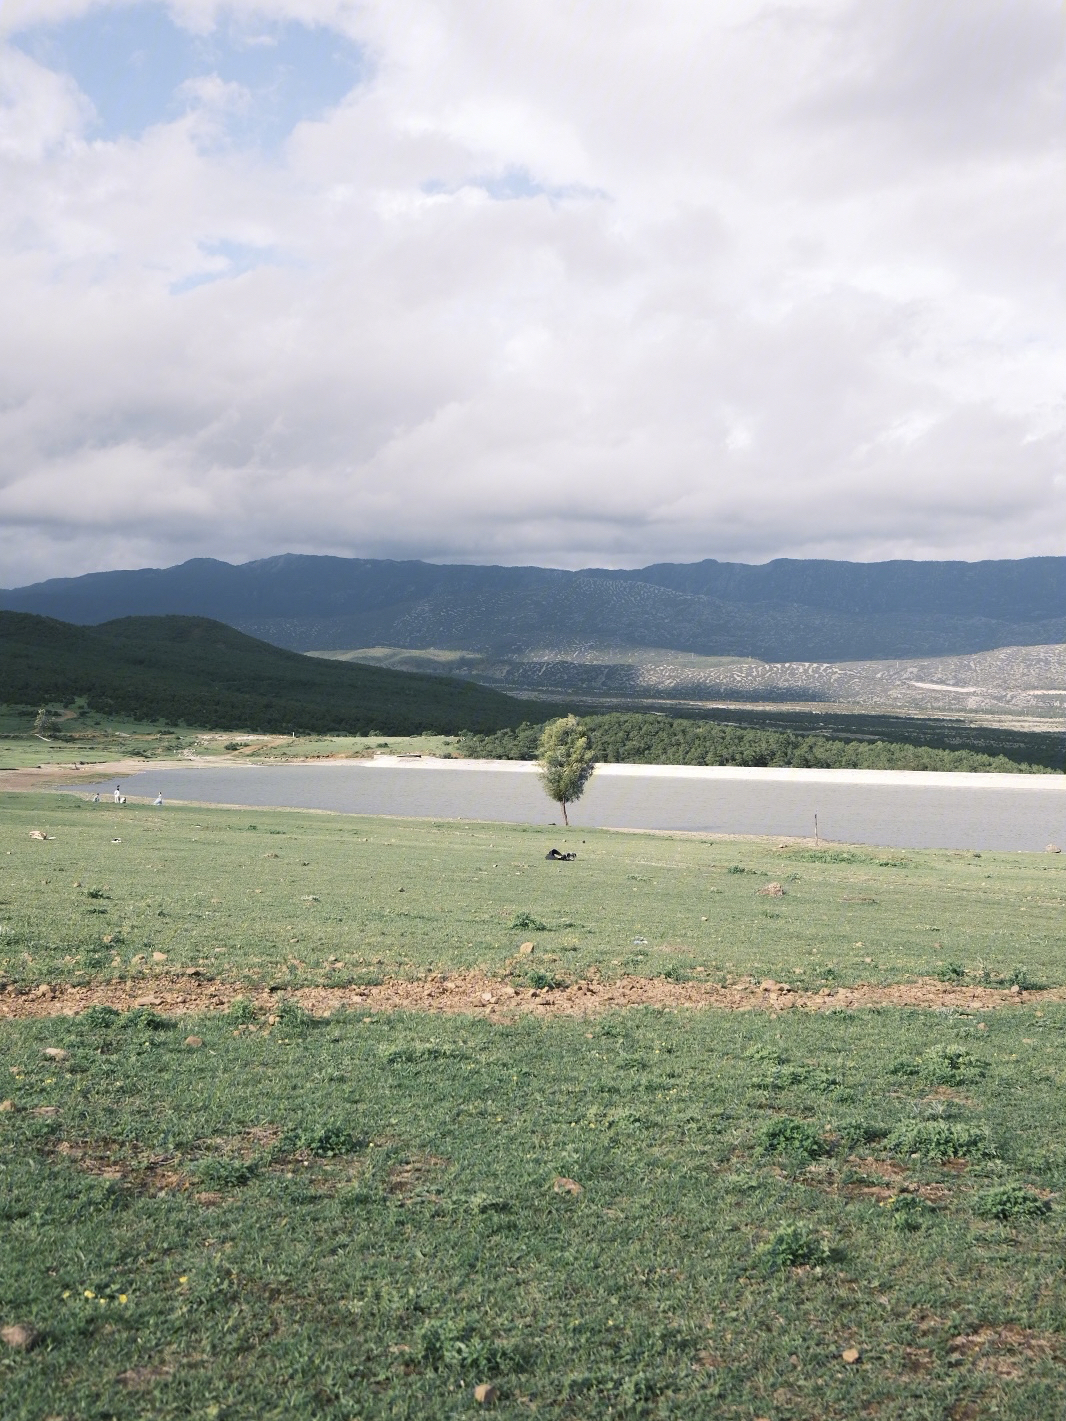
point(633, 739)
point(202, 673)
point(785, 610)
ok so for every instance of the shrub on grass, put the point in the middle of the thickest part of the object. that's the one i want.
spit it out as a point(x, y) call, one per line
point(527, 923)
point(951, 1065)
point(938, 1140)
point(854, 1134)
point(544, 981)
point(292, 1017)
point(1010, 1203)
point(951, 972)
point(324, 1142)
point(909, 1212)
point(223, 1173)
point(793, 1138)
point(792, 1246)
point(99, 1018)
point(241, 1012)
point(1021, 979)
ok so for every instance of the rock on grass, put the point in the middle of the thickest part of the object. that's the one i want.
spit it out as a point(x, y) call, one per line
point(20, 1335)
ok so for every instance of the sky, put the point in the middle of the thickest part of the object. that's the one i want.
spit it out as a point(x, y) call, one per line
point(566, 282)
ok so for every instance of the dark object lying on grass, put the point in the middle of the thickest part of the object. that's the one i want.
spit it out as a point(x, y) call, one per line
point(555, 855)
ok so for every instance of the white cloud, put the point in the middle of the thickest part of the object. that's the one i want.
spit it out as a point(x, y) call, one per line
point(561, 283)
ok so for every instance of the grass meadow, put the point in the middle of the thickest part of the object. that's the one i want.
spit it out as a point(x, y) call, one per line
point(645, 1214)
point(307, 898)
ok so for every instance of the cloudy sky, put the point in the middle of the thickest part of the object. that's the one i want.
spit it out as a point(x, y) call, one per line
point(553, 281)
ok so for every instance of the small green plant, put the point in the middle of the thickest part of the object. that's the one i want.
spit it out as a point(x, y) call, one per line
point(242, 1012)
point(909, 1212)
point(544, 981)
point(793, 1138)
point(903, 1067)
point(1022, 979)
point(951, 1065)
point(792, 1246)
point(223, 1173)
point(324, 1142)
point(1010, 1203)
point(855, 1134)
point(527, 923)
point(99, 1018)
point(951, 972)
point(292, 1017)
point(938, 1140)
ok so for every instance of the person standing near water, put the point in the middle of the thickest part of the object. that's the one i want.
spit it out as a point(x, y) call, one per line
point(118, 794)
point(159, 798)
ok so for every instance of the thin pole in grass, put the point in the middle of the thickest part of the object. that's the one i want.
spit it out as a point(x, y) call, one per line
point(816, 831)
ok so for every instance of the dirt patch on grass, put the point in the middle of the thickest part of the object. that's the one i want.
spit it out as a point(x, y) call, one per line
point(105, 1161)
point(475, 993)
point(1003, 1351)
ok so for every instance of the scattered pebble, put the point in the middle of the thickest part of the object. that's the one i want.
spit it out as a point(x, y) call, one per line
point(562, 1185)
point(772, 890)
point(194, 1041)
point(55, 1053)
point(20, 1335)
point(526, 948)
point(485, 1393)
point(850, 1355)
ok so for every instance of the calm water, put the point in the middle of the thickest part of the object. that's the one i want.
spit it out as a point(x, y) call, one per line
point(1012, 812)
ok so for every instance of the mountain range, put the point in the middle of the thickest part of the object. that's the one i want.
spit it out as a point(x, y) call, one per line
point(788, 610)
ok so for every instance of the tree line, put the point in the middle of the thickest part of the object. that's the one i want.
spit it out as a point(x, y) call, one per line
point(642, 739)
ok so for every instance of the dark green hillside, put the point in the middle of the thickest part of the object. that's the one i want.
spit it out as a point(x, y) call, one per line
point(200, 672)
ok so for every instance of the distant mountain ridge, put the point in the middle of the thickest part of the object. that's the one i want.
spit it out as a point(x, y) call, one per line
point(785, 610)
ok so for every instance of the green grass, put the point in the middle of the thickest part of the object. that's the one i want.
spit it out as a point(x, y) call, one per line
point(357, 1218)
point(267, 896)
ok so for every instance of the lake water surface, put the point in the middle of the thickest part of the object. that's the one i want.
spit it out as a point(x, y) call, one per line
point(893, 808)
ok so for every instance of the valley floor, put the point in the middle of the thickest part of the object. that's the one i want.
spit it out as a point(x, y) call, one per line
point(744, 1130)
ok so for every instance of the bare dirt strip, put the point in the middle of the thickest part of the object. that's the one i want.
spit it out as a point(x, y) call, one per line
point(477, 994)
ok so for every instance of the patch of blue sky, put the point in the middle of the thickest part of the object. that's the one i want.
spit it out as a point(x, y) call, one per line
point(514, 184)
point(133, 62)
point(225, 260)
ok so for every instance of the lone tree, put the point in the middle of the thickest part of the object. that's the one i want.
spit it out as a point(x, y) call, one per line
point(566, 763)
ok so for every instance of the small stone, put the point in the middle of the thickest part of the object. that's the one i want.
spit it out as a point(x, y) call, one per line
point(55, 1053)
point(772, 890)
point(769, 985)
point(485, 1393)
point(20, 1335)
point(194, 971)
point(194, 1041)
point(525, 949)
point(562, 1185)
point(159, 957)
point(1053, 849)
point(36, 834)
point(850, 1355)
point(7, 1107)
point(1016, 991)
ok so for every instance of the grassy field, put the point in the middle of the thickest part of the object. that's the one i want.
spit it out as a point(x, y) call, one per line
point(369, 1218)
point(90, 737)
point(298, 897)
point(645, 1214)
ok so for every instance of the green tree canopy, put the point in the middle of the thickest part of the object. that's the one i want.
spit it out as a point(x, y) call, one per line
point(566, 762)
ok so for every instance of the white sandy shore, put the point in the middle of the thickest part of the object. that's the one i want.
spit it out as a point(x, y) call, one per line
point(942, 778)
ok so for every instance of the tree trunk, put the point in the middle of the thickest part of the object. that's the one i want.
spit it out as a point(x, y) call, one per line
point(566, 821)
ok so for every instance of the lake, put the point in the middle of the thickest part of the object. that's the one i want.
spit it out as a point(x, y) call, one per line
point(901, 809)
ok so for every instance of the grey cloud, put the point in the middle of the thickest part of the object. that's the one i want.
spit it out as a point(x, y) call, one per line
point(662, 282)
